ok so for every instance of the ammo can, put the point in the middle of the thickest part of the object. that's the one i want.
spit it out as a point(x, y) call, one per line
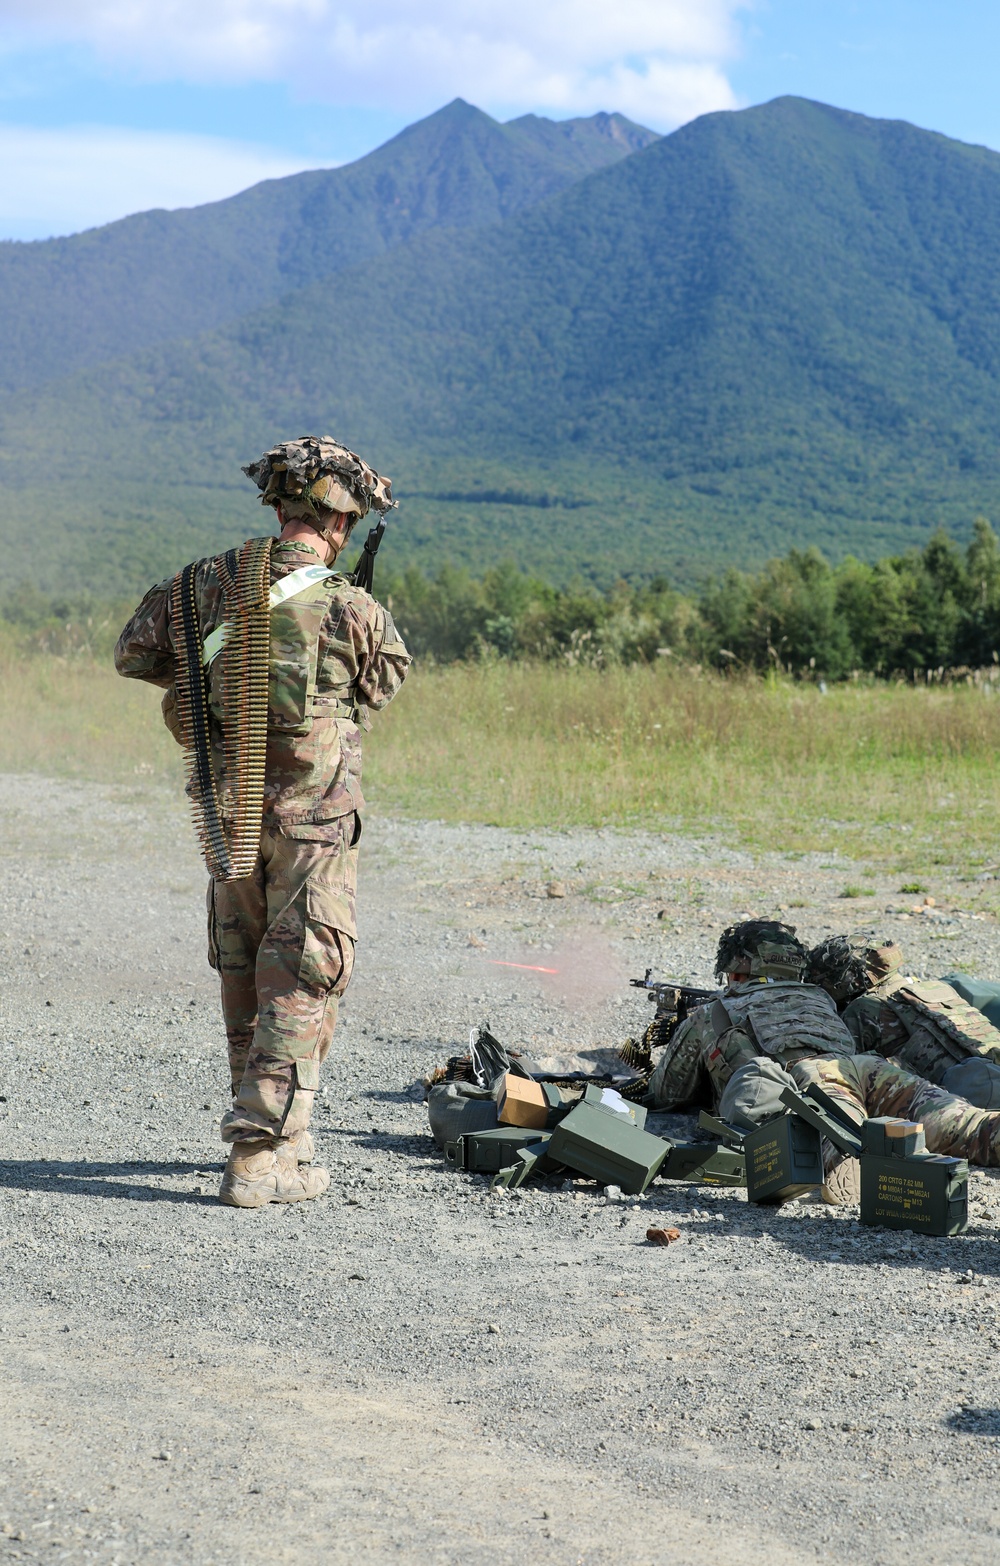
point(528, 1162)
point(927, 1193)
point(704, 1163)
point(610, 1099)
point(608, 1148)
point(783, 1159)
point(487, 1152)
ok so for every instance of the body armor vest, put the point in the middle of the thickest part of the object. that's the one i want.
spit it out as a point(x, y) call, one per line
point(787, 1017)
point(929, 1027)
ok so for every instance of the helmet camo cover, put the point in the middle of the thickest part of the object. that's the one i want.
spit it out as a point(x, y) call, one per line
point(316, 472)
point(846, 966)
point(763, 948)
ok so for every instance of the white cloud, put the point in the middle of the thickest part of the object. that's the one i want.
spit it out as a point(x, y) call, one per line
point(59, 181)
point(664, 59)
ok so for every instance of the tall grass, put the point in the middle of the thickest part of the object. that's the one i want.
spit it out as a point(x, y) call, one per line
point(895, 773)
point(77, 718)
point(890, 771)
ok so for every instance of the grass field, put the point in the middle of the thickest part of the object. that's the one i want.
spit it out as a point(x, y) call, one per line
point(892, 774)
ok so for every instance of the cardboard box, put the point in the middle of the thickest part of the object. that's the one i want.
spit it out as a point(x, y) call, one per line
point(523, 1102)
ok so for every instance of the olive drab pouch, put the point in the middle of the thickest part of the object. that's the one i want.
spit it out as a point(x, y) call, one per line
point(752, 1096)
point(981, 993)
point(976, 1080)
point(457, 1108)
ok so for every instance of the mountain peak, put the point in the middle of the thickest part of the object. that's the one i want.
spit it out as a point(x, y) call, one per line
point(162, 275)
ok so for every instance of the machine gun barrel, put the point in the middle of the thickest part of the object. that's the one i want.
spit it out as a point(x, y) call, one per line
point(671, 997)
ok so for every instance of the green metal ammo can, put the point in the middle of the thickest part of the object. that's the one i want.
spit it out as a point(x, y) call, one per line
point(608, 1148)
point(611, 1100)
point(783, 1159)
point(487, 1152)
point(904, 1187)
point(704, 1163)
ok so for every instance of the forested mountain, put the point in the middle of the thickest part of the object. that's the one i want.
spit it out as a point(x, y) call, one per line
point(778, 326)
point(65, 303)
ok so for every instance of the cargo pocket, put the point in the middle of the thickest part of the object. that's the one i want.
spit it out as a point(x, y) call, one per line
point(327, 949)
point(213, 940)
point(307, 1075)
point(288, 696)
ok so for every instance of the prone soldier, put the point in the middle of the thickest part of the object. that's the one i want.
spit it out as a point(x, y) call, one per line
point(764, 1010)
point(768, 1026)
point(924, 1024)
point(271, 662)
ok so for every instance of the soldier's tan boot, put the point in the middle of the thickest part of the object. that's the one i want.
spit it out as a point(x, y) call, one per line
point(842, 1187)
point(301, 1145)
point(256, 1174)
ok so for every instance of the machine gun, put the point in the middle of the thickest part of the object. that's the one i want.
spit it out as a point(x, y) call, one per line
point(674, 1002)
point(673, 998)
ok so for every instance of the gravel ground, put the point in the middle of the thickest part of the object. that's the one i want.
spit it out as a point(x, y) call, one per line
point(416, 1368)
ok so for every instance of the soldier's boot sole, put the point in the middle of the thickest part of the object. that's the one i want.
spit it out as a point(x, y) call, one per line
point(256, 1176)
point(842, 1187)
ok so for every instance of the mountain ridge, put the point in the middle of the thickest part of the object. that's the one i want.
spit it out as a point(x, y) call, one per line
point(159, 275)
point(776, 326)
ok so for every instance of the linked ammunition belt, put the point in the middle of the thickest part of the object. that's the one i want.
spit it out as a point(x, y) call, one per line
point(229, 844)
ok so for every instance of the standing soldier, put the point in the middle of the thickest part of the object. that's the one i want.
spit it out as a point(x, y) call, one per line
point(271, 662)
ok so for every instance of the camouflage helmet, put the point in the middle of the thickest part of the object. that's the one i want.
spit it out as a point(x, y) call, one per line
point(315, 475)
point(763, 948)
point(847, 966)
point(881, 962)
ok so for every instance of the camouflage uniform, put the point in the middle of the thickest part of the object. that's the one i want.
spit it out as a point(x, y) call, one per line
point(870, 1085)
point(782, 1019)
point(924, 1023)
point(283, 939)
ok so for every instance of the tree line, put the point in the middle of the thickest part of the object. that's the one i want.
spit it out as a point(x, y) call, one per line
point(930, 611)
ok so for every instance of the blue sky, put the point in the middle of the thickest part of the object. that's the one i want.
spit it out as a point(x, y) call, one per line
point(108, 108)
